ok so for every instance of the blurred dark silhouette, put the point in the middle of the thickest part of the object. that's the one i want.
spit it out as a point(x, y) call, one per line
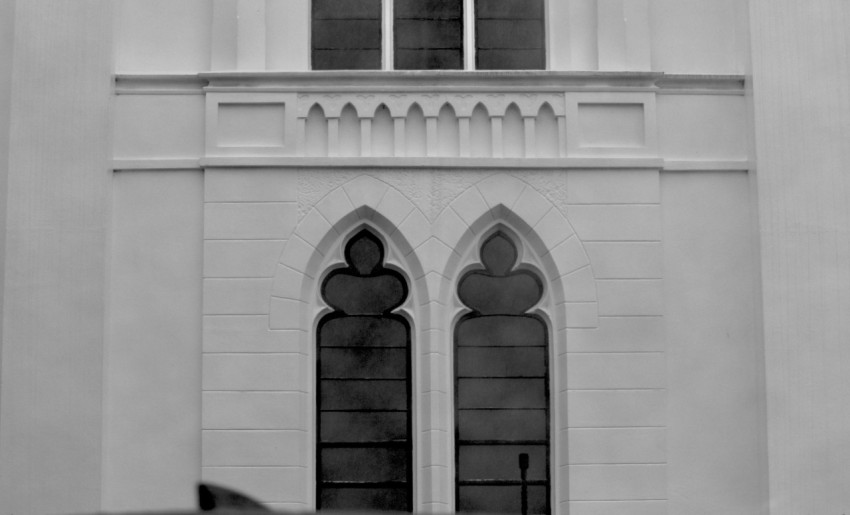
point(213, 497)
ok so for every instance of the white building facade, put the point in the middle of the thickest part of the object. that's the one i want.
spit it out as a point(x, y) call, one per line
point(181, 185)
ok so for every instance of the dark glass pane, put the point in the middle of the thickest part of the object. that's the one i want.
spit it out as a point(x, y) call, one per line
point(347, 59)
point(498, 254)
point(510, 59)
point(357, 9)
point(501, 393)
point(501, 499)
point(513, 294)
point(364, 253)
point(428, 9)
point(364, 295)
point(395, 499)
point(346, 34)
point(510, 9)
point(341, 426)
point(510, 35)
point(428, 34)
point(501, 362)
point(363, 395)
point(501, 330)
point(500, 462)
point(372, 464)
point(513, 34)
point(364, 363)
point(502, 424)
point(355, 331)
point(428, 59)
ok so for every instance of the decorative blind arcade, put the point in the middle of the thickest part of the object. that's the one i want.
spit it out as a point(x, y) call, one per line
point(428, 34)
point(501, 386)
point(364, 455)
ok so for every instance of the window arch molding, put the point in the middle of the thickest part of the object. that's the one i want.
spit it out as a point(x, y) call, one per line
point(503, 343)
point(547, 244)
point(315, 249)
point(546, 310)
point(364, 393)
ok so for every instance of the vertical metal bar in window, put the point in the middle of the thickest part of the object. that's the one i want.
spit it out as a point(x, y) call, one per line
point(468, 34)
point(388, 35)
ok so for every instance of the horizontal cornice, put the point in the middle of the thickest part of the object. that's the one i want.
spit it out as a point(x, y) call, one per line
point(377, 81)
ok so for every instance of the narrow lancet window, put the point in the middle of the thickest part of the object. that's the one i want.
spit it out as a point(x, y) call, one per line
point(364, 455)
point(501, 387)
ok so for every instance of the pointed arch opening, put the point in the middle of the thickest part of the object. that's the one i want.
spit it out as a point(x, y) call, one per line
point(364, 448)
point(502, 400)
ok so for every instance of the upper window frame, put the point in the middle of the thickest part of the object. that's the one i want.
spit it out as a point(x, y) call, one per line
point(468, 38)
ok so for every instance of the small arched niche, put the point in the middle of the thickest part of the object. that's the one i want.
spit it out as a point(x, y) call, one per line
point(349, 132)
point(316, 132)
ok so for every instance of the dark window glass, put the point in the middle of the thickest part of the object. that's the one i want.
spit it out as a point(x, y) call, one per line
point(507, 425)
point(501, 393)
point(509, 35)
point(363, 331)
point(363, 395)
point(489, 331)
point(364, 363)
point(501, 386)
point(374, 465)
point(346, 35)
point(364, 455)
point(501, 362)
point(358, 426)
point(428, 34)
point(388, 498)
point(502, 499)
point(500, 461)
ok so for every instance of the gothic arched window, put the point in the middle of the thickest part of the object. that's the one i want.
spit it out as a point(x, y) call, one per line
point(501, 386)
point(364, 454)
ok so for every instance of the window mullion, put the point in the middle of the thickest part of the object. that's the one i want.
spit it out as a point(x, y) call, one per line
point(388, 38)
point(468, 34)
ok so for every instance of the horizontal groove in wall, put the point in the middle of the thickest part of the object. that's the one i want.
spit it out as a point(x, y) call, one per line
point(566, 163)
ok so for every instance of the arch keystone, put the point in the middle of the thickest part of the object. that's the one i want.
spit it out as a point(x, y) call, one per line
point(501, 189)
point(365, 190)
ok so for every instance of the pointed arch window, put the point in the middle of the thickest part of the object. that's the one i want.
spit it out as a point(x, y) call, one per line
point(501, 386)
point(364, 451)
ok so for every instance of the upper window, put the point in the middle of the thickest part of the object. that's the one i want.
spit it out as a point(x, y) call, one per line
point(428, 35)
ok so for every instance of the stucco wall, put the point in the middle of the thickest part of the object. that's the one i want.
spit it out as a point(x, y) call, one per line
point(53, 314)
point(190, 271)
point(801, 106)
point(634, 428)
